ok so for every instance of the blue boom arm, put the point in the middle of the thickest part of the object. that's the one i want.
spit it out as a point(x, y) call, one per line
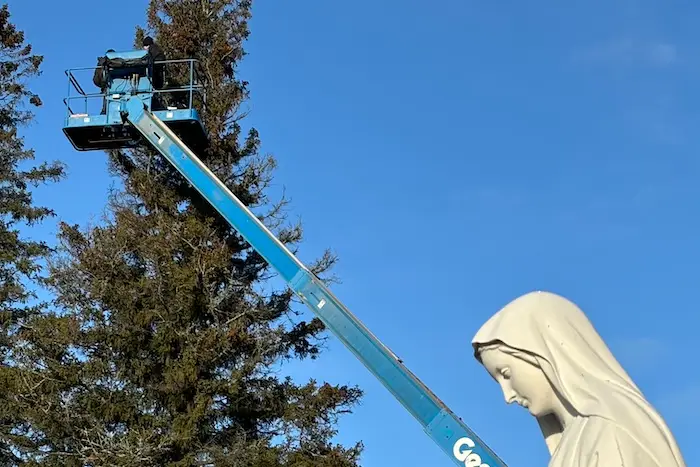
point(458, 441)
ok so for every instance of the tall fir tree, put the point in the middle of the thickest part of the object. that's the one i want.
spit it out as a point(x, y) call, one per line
point(163, 347)
point(20, 256)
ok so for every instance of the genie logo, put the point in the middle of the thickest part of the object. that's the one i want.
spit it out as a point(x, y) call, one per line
point(470, 459)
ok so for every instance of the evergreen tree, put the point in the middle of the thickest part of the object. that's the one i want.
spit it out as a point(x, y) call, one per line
point(164, 347)
point(20, 257)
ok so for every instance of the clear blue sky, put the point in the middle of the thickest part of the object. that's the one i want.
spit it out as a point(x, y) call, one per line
point(456, 156)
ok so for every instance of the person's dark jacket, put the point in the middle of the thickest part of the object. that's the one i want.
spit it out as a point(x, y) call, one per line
point(156, 54)
point(99, 77)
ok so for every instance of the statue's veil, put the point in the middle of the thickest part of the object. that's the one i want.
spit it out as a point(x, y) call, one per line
point(580, 368)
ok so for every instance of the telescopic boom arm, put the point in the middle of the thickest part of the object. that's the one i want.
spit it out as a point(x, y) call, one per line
point(455, 438)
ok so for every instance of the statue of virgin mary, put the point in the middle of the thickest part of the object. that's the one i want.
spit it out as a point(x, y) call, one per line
point(546, 356)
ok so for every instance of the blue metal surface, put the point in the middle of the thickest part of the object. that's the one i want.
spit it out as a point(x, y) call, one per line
point(134, 54)
point(122, 83)
point(114, 117)
point(453, 436)
point(84, 120)
point(177, 114)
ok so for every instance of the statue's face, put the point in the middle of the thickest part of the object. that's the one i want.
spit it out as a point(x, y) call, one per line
point(521, 382)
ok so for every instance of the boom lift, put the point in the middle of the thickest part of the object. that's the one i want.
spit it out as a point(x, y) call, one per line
point(176, 131)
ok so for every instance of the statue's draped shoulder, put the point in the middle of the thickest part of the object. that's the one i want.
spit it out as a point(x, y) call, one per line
point(597, 442)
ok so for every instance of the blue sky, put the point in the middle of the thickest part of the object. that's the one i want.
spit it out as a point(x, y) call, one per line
point(456, 156)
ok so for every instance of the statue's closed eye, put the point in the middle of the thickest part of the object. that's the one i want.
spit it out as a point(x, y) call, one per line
point(505, 372)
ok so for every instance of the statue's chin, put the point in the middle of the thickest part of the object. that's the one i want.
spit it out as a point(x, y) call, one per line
point(534, 411)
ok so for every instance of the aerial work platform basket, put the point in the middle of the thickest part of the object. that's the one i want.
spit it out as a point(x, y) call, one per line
point(171, 89)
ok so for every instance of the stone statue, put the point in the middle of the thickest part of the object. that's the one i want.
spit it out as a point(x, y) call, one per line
point(547, 357)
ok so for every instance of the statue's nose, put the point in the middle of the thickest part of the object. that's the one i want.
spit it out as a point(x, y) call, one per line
point(509, 395)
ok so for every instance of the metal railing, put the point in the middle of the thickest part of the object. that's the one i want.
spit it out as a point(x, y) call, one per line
point(174, 73)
